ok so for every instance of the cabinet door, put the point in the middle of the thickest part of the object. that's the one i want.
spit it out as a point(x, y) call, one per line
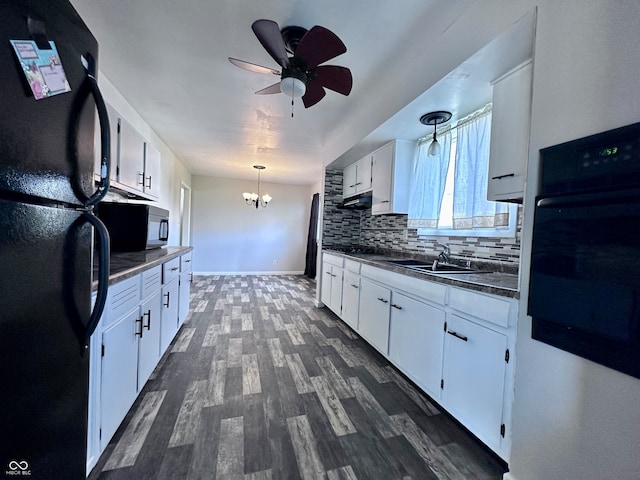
point(474, 373)
point(185, 295)
point(373, 322)
point(325, 292)
point(382, 180)
point(349, 180)
point(416, 341)
point(336, 290)
point(113, 133)
point(118, 387)
point(131, 167)
point(149, 342)
point(363, 174)
point(151, 171)
point(510, 124)
point(350, 299)
point(169, 316)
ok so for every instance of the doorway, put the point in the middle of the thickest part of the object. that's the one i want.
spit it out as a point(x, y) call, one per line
point(185, 215)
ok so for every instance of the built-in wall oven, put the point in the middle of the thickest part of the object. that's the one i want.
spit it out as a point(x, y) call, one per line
point(584, 294)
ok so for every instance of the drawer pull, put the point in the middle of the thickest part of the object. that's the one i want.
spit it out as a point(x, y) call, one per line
point(383, 300)
point(354, 286)
point(396, 306)
point(174, 269)
point(499, 177)
point(457, 335)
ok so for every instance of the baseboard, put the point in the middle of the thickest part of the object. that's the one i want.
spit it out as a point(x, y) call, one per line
point(279, 272)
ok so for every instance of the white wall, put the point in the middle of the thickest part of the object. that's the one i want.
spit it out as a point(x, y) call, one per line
point(172, 172)
point(573, 419)
point(231, 237)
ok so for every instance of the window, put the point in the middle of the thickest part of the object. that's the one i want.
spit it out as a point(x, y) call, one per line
point(448, 192)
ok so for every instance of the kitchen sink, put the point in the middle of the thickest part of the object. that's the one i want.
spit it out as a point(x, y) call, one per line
point(408, 262)
point(446, 268)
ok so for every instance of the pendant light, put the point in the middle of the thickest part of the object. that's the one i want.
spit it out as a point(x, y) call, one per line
point(434, 118)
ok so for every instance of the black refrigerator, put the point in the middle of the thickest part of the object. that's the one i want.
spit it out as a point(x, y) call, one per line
point(49, 237)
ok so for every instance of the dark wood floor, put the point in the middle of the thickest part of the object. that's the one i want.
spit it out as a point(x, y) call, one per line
point(260, 384)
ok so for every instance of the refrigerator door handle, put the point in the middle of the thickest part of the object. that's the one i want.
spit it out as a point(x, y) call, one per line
point(105, 135)
point(103, 277)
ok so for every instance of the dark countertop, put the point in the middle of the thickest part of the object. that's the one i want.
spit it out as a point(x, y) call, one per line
point(498, 281)
point(125, 265)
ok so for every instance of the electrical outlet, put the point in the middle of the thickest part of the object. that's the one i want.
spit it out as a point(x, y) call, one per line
point(274, 262)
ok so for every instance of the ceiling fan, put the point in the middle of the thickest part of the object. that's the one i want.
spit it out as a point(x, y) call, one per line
point(301, 75)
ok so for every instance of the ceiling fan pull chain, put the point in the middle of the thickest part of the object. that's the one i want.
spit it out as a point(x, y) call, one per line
point(292, 108)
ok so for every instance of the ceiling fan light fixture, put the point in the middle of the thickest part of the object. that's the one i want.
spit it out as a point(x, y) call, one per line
point(293, 87)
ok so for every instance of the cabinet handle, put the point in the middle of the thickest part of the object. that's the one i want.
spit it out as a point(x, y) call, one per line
point(149, 186)
point(191, 277)
point(351, 186)
point(187, 261)
point(174, 269)
point(383, 300)
point(457, 335)
point(503, 176)
point(354, 286)
point(139, 334)
point(328, 273)
point(358, 183)
point(396, 306)
point(141, 181)
point(333, 275)
point(168, 298)
point(148, 315)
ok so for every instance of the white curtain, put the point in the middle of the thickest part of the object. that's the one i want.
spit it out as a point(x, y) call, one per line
point(471, 209)
point(427, 184)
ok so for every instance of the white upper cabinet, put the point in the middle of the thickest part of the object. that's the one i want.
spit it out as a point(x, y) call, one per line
point(357, 177)
point(151, 171)
point(114, 120)
point(131, 164)
point(510, 125)
point(390, 177)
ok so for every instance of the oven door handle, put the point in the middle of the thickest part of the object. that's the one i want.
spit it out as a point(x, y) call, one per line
point(587, 199)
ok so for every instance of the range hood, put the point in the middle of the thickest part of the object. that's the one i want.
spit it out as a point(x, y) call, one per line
point(358, 202)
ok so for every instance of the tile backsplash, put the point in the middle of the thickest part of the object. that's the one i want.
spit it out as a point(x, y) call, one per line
point(390, 232)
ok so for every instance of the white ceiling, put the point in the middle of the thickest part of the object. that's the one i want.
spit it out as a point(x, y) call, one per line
point(169, 60)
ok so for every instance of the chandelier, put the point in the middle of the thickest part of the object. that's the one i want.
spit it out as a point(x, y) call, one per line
point(254, 199)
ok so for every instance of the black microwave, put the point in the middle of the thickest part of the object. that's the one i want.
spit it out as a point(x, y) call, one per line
point(135, 227)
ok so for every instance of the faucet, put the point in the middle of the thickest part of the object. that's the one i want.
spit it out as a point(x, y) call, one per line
point(445, 255)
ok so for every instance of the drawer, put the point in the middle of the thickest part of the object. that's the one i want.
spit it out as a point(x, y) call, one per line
point(151, 281)
point(332, 259)
point(488, 308)
point(423, 289)
point(352, 265)
point(123, 297)
point(170, 270)
point(185, 262)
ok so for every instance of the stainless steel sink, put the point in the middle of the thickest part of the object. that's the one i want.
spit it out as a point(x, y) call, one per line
point(408, 262)
point(446, 268)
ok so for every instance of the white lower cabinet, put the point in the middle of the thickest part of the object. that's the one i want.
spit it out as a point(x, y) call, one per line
point(373, 322)
point(416, 341)
point(170, 309)
point(186, 277)
point(140, 319)
point(149, 337)
point(474, 370)
point(331, 290)
point(452, 342)
point(350, 298)
point(119, 386)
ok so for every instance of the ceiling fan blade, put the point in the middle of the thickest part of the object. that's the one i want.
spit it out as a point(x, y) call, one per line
point(252, 67)
point(270, 37)
point(336, 78)
point(275, 88)
point(313, 95)
point(319, 45)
